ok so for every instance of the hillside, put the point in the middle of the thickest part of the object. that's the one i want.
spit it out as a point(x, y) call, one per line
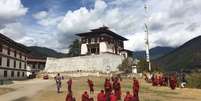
point(185, 57)
point(155, 52)
point(42, 52)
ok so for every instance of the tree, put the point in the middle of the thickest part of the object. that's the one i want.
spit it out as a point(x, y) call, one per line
point(75, 48)
point(143, 66)
point(126, 65)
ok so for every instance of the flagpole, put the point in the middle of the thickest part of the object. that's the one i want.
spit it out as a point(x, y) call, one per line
point(147, 37)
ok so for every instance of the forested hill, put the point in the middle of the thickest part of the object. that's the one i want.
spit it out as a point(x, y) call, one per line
point(155, 52)
point(185, 57)
point(43, 52)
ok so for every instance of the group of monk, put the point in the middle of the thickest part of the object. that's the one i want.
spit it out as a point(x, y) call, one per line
point(111, 92)
point(162, 80)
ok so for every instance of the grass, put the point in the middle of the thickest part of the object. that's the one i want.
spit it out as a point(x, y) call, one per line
point(147, 92)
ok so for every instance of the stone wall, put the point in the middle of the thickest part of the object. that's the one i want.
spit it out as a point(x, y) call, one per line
point(84, 63)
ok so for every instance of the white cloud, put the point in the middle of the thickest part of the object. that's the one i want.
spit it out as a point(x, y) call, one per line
point(41, 15)
point(173, 22)
point(14, 31)
point(47, 19)
point(10, 10)
point(170, 20)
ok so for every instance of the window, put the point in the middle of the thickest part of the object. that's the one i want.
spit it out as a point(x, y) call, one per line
point(34, 66)
point(8, 51)
point(15, 53)
point(1, 48)
point(20, 65)
point(23, 74)
point(39, 66)
point(12, 73)
point(8, 62)
point(20, 55)
point(25, 65)
point(14, 64)
point(18, 74)
point(5, 74)
point(0, 61)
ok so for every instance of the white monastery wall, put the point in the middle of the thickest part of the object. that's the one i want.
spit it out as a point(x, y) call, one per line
point(85, 63)
point(84, 49)
point(103, 47)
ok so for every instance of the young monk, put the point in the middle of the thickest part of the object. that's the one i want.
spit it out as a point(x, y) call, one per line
point(70, 97)
point(113, 97)
point(136, 88)
point(107, 86)
point(128, 97)
point(101, 96)
point(117, 88)
point(69, 83)
point(173, 82)
point(85, 96)
point(91, 86)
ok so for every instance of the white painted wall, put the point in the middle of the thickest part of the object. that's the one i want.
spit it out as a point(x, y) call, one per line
point(84, 49)
point(103, 47)
point(85, 63)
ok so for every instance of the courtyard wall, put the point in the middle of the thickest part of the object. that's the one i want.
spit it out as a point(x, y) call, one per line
point(98, 63)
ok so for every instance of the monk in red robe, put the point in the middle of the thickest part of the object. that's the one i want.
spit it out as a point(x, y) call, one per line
point(101, 96)
point(173, 82)
point(70, 97)
point(91, 86)
point(128, 97)
point(113, 97)
point(85, 96)
point(117, 88)
point(136, 88)
point(135, 97)
point(155, 80)
point(69, 83)
point(160, 80)
point(107, 86)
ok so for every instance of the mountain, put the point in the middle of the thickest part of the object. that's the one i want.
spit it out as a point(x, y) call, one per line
point(185, 57)
point(154, 52)
point(42, 52)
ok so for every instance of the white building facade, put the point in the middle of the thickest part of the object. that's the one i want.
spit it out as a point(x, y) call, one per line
point(101, 40)
point(13, 59)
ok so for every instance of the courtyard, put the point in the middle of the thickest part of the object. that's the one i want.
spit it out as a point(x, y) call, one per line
point(45, 90)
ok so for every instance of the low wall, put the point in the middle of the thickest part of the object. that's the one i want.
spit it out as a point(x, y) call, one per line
point(84, 63)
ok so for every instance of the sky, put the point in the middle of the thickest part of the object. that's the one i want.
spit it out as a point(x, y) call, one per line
point(54, 23)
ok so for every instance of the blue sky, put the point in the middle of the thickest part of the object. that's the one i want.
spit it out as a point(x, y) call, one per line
point(53, 23)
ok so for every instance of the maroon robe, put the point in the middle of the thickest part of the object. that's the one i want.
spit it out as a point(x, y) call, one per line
point(69, 83)
point(107, 86)
point(173, 82)
point(136, 88)
point(69, 97)
point(128, 97)
point(101, 96)
point(91, 85)
point(117, 89)
point(113, 97)
point(160, 81)
point(85, 97)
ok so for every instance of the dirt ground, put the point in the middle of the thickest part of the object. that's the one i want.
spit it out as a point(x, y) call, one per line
point(147, 92)
point(5, 90)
